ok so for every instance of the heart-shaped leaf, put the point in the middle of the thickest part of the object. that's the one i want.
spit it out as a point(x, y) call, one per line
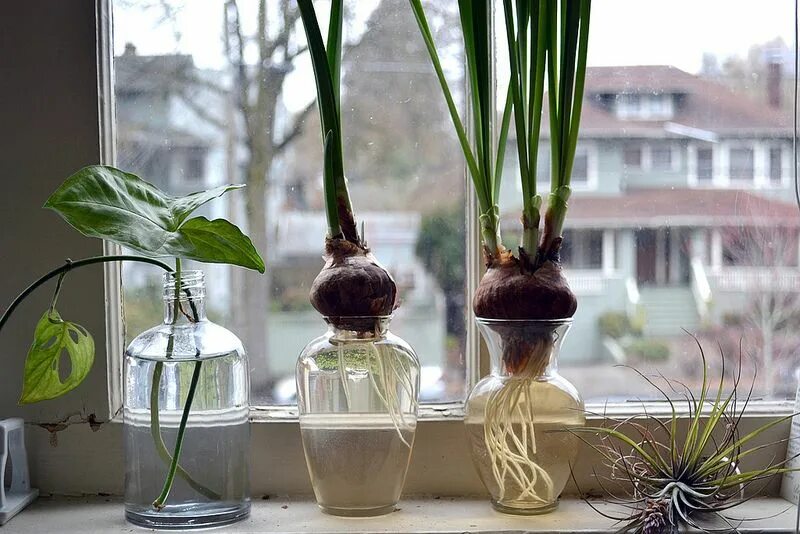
point(52, 337)
point(118, 206)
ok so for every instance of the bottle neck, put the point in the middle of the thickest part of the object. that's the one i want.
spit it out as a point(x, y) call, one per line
point(358, 328)
point(184, 297)
point(185, 310)
point(524, 349)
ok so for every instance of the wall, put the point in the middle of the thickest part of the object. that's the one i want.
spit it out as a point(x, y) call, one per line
point(49, 110)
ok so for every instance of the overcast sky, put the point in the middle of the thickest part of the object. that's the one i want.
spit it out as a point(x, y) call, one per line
point(623, 32)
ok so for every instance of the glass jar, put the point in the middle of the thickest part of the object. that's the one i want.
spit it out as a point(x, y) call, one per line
point(518, 418)
point(186, 367)
point(358, 395)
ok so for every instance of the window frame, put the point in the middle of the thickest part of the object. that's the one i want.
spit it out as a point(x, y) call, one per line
point(441, 455)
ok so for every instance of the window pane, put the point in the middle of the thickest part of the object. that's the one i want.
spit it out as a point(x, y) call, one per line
point(188, 118)
point(661, 157)
point(697, 103)
point(632, 156)
point(741, 163)
point(775, 165)
point(705, 164)
point(580, 168)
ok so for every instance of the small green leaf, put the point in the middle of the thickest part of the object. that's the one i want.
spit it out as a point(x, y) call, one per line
point(182, 207)
point(216, 241)
point(53, 335)
point(118, 206)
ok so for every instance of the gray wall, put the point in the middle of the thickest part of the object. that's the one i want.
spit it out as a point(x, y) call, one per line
point(49, 110)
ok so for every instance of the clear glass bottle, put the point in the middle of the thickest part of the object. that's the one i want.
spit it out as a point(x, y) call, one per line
point(210, 485)
point(518, 417)
point(358, 394)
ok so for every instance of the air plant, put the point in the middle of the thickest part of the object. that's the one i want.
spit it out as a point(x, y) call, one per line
point(353, 290)
point(547, 45)
point(678, 481)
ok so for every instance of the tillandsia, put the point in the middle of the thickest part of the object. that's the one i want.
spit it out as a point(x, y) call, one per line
point(678, 481)
point(120, 207)
point(547, 50)
point(353, 290)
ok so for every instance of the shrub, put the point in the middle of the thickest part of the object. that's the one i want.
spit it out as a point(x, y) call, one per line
point(616, 325)
point(649, 350)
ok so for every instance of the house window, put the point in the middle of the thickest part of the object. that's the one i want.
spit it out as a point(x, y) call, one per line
point(580, 168)
point(775, 165)
point(741, 164)
point(705, 164)
point(194, 170)
point(632, 156)
point(661, 157)
point(582, 249)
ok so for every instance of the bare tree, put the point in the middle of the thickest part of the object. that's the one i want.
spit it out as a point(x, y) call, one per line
point(768, 257)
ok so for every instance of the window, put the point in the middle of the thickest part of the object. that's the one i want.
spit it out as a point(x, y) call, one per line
point(775, 165)
point(705, 164)
point(400, 134)
point(741, 165)
point(661, 157)
point(582, 249)
point(632, 156)
point(180, 91)
point(194, 169)
point(580, 168)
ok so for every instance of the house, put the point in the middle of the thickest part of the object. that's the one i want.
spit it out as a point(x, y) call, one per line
point(681, 190)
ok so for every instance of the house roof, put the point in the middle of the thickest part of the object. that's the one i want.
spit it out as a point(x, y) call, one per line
point(652, 208)
point(134, 73)
point(702, 104)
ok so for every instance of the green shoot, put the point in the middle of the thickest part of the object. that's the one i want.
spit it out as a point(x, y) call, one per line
point(547, 41)
point(327, 71)
point(485, 169)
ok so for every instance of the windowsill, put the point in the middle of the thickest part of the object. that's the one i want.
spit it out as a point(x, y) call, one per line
point(97, 514)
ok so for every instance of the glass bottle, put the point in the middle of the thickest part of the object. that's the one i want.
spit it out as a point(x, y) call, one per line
point(518, 418)
point(358, 395)
point(210, 485)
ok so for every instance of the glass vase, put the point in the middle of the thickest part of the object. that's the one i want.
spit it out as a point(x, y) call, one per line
point(518, 418)
point(186, 367)
point(358, 394)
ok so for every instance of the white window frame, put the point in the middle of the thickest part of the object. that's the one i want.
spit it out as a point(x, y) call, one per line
point(691, 165)
point(441, 462)
point(758, 167)
point(647, 156)
point(592, 167)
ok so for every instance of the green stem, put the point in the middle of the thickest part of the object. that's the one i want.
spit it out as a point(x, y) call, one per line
point(160, 501)
point(70, 265)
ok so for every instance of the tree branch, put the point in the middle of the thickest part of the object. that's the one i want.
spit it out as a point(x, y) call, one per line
point(201, 111)
point(235, 53)
point(297, 128)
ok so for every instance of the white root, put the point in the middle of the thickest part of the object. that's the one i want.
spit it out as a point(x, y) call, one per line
point(389, 377)
point(510, 449)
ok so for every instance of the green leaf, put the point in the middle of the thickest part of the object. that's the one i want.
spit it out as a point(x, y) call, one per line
point(52, 337)
point(216, 241)
point(118, 206)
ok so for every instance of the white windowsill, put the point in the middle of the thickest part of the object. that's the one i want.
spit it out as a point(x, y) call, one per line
point(97, 514)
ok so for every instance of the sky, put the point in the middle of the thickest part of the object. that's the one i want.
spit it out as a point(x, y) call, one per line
point(623, 32)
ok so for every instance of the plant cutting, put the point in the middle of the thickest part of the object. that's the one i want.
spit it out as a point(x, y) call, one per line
point(523, 302)
point(679, 481)
point(120, 207)
point(358, 385)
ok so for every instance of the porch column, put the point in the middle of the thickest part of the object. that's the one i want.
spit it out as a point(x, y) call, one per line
point(608, 252)
point(661, 256)
point(716, 250)
point(674, 255)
